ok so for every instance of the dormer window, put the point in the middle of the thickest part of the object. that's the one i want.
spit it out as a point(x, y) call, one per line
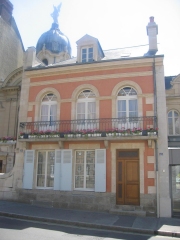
point(87, 54)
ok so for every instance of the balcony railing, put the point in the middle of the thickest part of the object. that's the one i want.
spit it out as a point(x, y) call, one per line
point(97, 125)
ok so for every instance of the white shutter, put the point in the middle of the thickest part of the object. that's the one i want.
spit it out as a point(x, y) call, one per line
point(28, 169)
point(57, 170)
point(100, 170)
point(66, 180)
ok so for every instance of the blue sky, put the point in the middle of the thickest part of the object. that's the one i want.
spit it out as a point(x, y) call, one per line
point(116, 23)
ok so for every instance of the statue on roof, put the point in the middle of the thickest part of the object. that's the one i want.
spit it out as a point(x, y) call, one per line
point(55, 14)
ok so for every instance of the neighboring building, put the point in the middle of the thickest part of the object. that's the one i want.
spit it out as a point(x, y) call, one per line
point(173, 116)
point(84, 123)
point(11, 62)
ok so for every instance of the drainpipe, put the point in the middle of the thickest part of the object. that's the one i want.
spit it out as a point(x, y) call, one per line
point(156, 143)
point(9, 116)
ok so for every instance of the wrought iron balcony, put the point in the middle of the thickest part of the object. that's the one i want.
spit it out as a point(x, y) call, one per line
point(103, 125)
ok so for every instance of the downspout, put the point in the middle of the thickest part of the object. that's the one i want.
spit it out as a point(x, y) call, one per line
point(155, 141)
point(16, 124)
point(9, 116)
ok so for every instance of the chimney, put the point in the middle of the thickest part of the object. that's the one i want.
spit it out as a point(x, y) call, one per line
point(152, 31)
point(29, 57)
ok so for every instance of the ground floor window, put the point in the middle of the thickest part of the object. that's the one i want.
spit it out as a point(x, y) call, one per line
point(45, 169)
point(85, 170)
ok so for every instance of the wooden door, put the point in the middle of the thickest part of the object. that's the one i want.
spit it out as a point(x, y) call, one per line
point(127, 177)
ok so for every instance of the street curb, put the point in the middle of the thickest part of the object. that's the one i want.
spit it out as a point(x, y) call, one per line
point(79, 224)
point(92, 225)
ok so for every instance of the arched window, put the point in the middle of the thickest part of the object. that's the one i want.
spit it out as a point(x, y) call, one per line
point(49, 108)
point(127, 103)
point(86, 108)
point(127, 107)
point(173, 123)
point(45, 61)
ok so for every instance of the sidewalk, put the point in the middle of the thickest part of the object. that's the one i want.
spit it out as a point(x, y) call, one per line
point(144, 225)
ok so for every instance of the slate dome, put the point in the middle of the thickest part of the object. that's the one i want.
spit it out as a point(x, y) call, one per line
point(54, 41)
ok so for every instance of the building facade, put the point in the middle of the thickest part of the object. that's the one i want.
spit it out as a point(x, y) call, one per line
point(11, 62)
point(91, 129)
point(173, 116)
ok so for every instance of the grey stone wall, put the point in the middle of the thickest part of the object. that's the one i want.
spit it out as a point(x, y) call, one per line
point(11, 52)
point(92, 201)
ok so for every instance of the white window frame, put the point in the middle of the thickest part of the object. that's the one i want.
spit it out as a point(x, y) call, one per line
point(175, 123)
point(84, 184)
point(87, 59)
point(127, 99)
point(45, 181)
point(86, 124)
point(49, 103)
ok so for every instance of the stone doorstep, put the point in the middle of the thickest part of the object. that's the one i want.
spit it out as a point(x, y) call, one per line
point(139, 213)
point(129, 210)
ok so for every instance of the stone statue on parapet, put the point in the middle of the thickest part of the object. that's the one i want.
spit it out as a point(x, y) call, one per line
point(55, 14)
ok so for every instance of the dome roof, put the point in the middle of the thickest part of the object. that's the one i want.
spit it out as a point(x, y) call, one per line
point(54, 41)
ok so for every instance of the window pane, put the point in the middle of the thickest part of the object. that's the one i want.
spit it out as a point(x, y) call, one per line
point(175, 188)
point(173, 123)
point(170, 114)
point(91, 110)
point(90, 55)
point(90, 169)
point(84, 55)
point(50, 169)
point(80, 110)
point(41, 169)
point(177, 128)
point(90, 50)
point(85, 169)
point(170, 124)
point(79, 169)
point(121, 108)
point(133, 105)
point(44, 112)
point(53, 112)
point(133, 108)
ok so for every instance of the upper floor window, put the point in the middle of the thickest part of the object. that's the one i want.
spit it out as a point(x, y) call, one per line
point(127, 105)
point(87, 54)
point(173, 123)
point(49, 107)
point(86, 108)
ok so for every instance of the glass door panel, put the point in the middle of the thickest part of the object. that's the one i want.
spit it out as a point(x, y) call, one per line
point(41, 169)
point(50, 169)
point(175, 184)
